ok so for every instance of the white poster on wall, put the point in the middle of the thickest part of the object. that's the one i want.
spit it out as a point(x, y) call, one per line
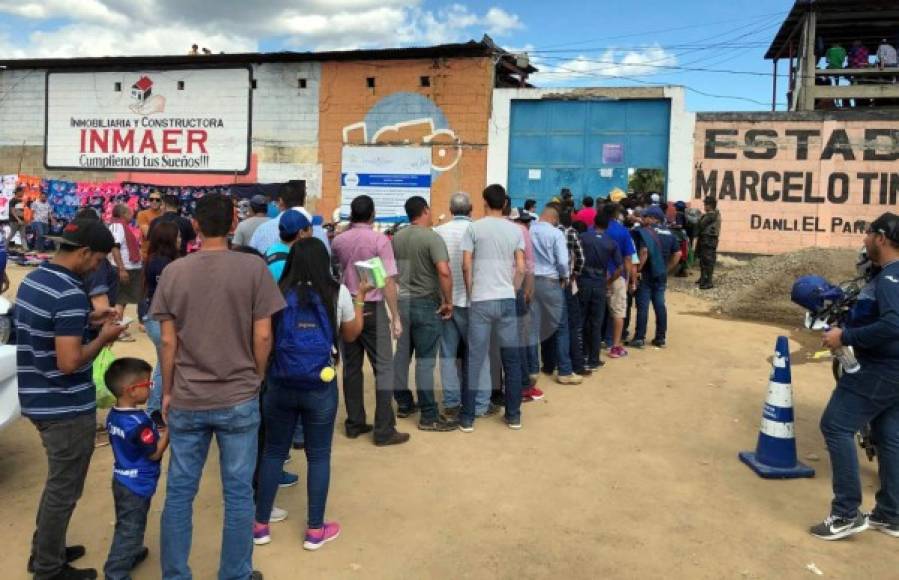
point(389, 175)
point(174, 120)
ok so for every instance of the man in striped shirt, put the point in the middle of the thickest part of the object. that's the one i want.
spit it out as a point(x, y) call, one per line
point(56, 389)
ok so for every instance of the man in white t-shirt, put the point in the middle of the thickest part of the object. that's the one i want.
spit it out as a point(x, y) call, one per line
point(126, 257)
point(494, 268)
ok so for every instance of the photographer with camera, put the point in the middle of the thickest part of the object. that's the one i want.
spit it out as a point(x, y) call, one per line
point(869, 394)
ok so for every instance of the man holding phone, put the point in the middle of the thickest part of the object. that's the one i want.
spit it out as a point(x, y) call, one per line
point(56, 389)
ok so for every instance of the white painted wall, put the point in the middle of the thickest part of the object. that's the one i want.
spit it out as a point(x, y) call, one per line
point(680, 148)
point(22, 107)
point(285, 119)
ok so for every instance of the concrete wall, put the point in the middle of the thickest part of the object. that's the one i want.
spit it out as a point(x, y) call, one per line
point(451, 116)
point(786, 181)
point(680, 150)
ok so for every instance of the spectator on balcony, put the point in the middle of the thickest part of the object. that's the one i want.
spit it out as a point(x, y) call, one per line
point(886, 55)
point(859, 56)
point(836, 59)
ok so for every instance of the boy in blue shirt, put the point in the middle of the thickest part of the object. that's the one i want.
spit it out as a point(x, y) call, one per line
point(137, 448)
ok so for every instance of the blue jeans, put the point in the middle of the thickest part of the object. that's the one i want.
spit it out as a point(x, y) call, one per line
point(454, 334)
point(130, 524)
point(525, 334)
point(236, 430)
point(592, 295)
point(651, 290)
point(40, 230)
point(552, 317)
point(316, 411)
point(484, 317)
point(154, 333)
point(421, 336)
point(859, 399)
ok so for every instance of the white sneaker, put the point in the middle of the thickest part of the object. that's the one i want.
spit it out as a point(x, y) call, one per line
point(278, 515)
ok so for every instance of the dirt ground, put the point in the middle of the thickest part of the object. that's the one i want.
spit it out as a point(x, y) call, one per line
point(633, 474)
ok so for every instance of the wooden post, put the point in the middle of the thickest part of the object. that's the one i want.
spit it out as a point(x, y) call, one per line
point(774, 88)
point(807, 100)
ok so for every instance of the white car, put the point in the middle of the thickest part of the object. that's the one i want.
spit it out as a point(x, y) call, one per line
point(9, 388)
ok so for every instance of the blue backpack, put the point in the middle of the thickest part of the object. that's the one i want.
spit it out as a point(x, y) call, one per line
point(304, 342)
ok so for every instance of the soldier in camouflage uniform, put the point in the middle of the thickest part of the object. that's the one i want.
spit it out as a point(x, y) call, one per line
point(707, 245)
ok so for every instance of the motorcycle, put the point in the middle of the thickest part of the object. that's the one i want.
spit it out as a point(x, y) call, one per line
point(829, 305)
point(9, 389)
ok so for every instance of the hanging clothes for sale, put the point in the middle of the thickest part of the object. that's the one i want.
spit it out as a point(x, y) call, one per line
point(63, 199)
point(8, 185)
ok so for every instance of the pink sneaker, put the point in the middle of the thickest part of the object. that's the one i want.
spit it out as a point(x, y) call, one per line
point(316, 538)
point(261, 534)
point(617, 352)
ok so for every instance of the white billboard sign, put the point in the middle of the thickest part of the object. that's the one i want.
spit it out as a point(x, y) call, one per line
point(389, 175)
point(174, 120)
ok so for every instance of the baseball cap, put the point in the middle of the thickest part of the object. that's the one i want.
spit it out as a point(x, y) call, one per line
point(258, 203)
point(655, 213)
point(519, 215)
point(86, 233)
point(887, 224)
point(655, 198)
point(292, 221)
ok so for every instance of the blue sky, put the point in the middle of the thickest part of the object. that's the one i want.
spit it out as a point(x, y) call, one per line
point(712, 47)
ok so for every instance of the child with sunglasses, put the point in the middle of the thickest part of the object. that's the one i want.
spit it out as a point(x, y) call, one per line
point(137, 447)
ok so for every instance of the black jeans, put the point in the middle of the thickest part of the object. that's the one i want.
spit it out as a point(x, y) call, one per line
point(592, 294)
point(130, 524)
point(575, 330)
point(69, 444)
point(375, 342)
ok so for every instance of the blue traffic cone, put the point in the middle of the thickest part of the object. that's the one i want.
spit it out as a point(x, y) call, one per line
point(775, 454)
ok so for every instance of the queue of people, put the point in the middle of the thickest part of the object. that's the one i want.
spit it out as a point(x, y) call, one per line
point(495, 301)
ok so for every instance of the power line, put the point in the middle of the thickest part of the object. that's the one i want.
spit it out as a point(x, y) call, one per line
point(780, 13)
point(686, 87)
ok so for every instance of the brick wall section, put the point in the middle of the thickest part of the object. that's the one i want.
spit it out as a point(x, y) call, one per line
point(738, 231)
point(461, 88)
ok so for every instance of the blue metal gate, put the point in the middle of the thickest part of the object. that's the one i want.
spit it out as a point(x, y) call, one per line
point(586, 146)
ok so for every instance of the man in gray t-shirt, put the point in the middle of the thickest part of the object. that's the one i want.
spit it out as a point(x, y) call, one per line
point(245, 229)
point(493, 268)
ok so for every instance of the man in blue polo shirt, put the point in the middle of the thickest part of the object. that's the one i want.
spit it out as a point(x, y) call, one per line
point(617, 294)
point(56, 390)
point(659, 252)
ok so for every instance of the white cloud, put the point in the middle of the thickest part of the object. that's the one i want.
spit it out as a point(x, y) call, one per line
point(500, 22)
point(131, 27)
point(610, 64)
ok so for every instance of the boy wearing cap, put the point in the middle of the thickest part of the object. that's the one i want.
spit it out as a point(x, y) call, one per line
point(292, 226)
point(56, 389)
point(245, 230)
point(868, 396)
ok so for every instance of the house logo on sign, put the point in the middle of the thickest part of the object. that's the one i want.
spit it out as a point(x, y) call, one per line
point(145, 102)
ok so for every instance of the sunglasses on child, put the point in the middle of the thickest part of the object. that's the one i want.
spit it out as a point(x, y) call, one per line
point(155, 199)
point(141, 385)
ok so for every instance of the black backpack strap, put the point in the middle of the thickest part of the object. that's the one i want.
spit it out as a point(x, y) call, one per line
point(276, 257)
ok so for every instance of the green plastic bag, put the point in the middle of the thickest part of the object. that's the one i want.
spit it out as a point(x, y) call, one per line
point(105, 399)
